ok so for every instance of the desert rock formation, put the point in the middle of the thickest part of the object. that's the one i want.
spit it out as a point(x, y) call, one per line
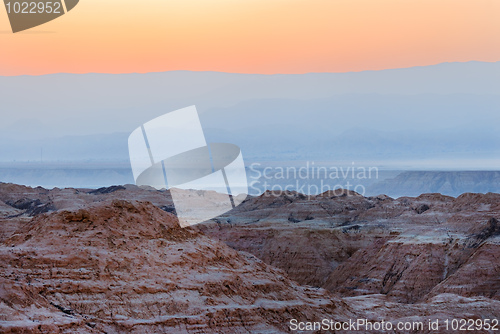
point(127, 267)
point(115, 260)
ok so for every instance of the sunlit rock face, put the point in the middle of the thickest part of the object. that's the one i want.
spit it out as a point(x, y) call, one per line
point(404, 251)
point(128, 267)
point(116, 260)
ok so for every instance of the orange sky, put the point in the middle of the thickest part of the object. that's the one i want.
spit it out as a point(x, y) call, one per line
point(254, 36)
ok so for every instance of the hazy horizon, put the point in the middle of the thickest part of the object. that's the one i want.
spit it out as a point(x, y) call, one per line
point(435, 118)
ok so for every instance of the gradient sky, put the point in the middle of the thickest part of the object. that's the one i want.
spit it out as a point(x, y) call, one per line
point(254, 36)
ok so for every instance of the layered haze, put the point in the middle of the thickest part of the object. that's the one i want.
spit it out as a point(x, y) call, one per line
point(437, 111)
point(441, 117)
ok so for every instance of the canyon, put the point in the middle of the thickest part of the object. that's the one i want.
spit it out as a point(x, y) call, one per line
point(115, 260)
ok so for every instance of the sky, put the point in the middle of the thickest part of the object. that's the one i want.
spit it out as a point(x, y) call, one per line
point(253, 36)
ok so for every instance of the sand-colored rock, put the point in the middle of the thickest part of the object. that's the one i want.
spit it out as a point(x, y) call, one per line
point(116, 260)
point(127, 267)
point(407, 248)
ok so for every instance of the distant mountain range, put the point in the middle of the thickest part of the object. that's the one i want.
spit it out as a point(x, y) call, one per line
point(435, 117)
point(82, 104)
point(447, 183)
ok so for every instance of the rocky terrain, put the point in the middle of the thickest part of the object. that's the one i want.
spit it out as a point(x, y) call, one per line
point(356, 245)
point(115, 260)
point(126, 266)
point(389, 258)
